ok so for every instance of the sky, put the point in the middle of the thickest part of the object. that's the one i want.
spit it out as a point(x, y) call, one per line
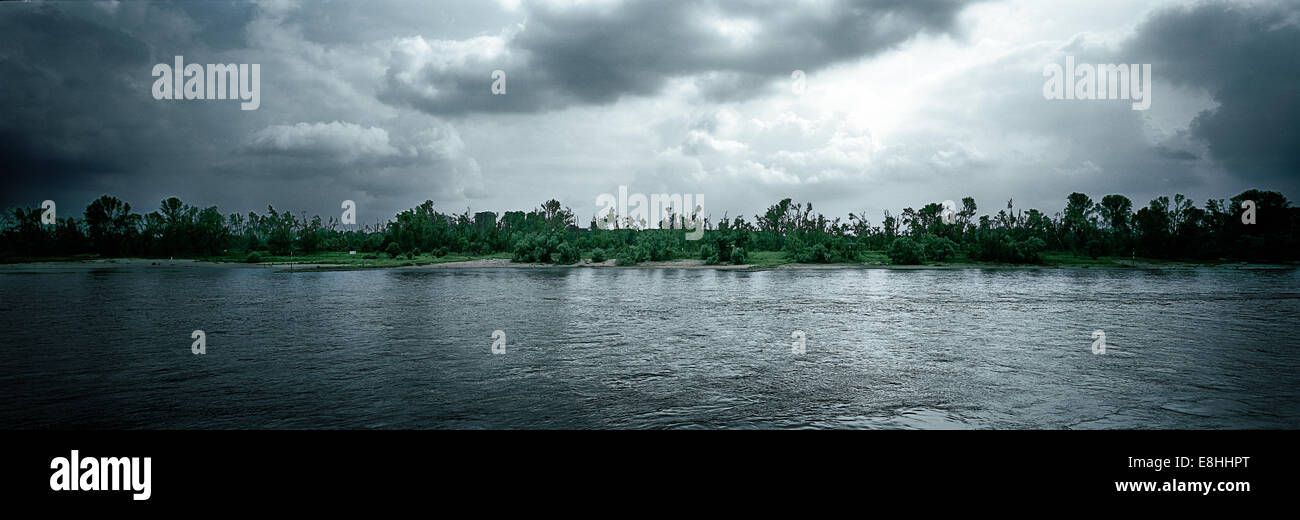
point(389, 103)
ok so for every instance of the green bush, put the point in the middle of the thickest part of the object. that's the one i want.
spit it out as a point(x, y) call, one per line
point(708, 251)
point(568, 254)
point(537, 248)
point(1031, 248)
point(830, 250)
point(939, 249)
point(393, 250)
point(628, 256)
point(253, 258)
point(1095, 248)
point(653, 245)
point(817, 254)
point(598, 255)
point(373, 242)
point(794, 247)
point(1003, 248)
point(738, 255)
point(905, 251)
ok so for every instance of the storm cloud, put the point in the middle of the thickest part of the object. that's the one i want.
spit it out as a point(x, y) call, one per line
point(597, 52)
point(388, 103)
point(1246, 57)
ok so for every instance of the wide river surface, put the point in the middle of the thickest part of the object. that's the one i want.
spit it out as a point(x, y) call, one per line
point(110, 347)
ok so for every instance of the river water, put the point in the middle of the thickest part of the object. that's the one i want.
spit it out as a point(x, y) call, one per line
point(110, 347)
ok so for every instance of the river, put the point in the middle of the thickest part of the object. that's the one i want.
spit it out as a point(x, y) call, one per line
point(110, 347)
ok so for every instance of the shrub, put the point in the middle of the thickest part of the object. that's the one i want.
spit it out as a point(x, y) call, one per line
point(1030, 249)
point(905, 251)
point(373, 242)
point(253, 258)
point(794, 247)
point(630, 255)
point(709, 251)
point(537, 248)
point(393, 250)
point(817, 254)
point(738, 255)
point(1003, 248)
point(567, 254)
point(939, 249)
point(598, 255)
point(724, 253)
point(1095, 248)
point(653, 245)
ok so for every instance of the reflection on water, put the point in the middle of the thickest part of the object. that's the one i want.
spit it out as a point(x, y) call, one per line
point(638, 348)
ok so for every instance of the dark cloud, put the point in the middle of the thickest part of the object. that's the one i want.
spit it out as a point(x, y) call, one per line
point(667, 96)
point(1170, 153)
point(67, 107)
point(77, 118)
point(1246, 57)
point(595, 54)
point(352, 22)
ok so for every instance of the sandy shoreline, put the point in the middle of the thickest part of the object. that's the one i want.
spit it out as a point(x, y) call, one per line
point(496, 263)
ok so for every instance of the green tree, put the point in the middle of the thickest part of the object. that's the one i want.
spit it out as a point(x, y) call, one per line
point(905, 251)
point(110, 225)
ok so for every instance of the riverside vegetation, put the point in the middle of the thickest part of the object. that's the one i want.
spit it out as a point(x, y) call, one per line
point(1087, 232)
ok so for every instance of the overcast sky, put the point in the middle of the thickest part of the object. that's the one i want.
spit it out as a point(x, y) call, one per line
point(389, 103)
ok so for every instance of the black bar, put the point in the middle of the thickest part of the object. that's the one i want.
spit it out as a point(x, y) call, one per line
point(324, 468)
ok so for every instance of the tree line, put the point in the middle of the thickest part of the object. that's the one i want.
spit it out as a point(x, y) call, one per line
point(1164, 229)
